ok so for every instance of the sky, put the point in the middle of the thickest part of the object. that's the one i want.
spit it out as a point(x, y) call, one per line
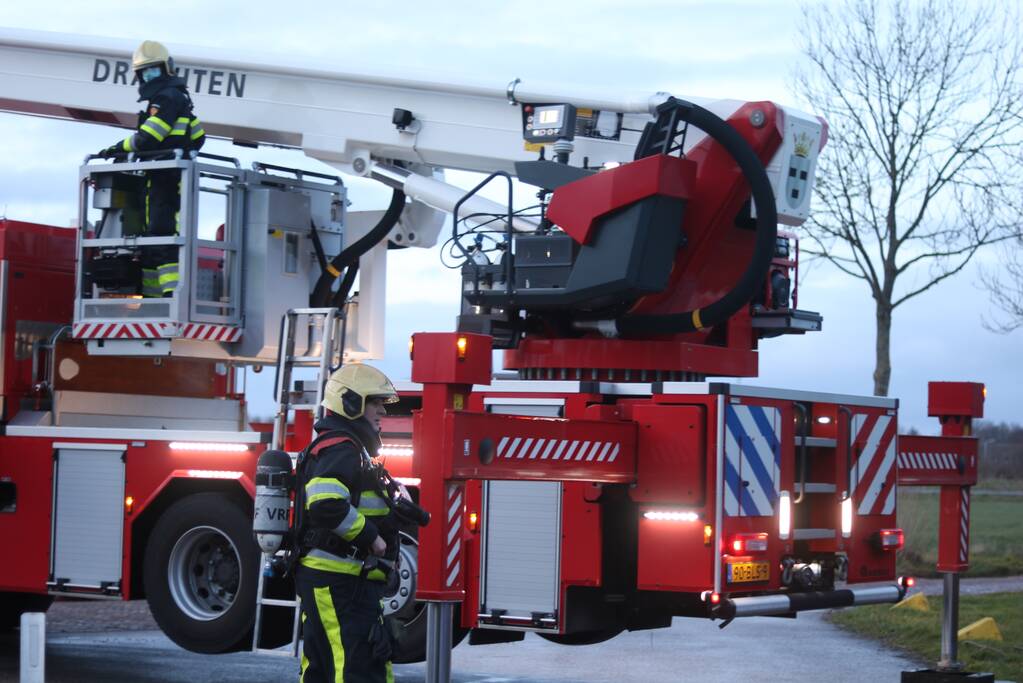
point(743, 49)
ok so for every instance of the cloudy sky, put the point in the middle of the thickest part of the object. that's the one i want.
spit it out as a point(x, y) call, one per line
point(744, 49)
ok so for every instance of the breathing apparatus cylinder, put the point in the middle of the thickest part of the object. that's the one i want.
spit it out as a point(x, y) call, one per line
point(273, 500)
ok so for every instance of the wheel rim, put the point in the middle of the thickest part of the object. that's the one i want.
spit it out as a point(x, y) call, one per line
point(404, 594)
point(204, 573)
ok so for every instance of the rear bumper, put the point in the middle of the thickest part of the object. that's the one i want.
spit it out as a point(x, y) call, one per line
point(766, 605)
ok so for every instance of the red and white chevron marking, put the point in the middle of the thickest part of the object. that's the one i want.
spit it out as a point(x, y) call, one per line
point(872, 478)
point(453, 537)
point(203, 332)
point(929, 461)
point(115, 330)
point(558, 449)
point(964, 524)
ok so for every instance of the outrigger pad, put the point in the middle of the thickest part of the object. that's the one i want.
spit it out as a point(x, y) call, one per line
point(935, 676)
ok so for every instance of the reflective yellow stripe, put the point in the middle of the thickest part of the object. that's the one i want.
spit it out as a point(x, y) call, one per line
point(390, 673)
point(180, 126)
point(357, 527)
point(305, 660)
point(159, 122)
point(697, 323)
point(328, 617)
point(325, 562)
point(322, 496)
point(152, 131)
point(315, 481)
point(318, 559)
point(126, 146)
point(372, 505)
point(332, 270)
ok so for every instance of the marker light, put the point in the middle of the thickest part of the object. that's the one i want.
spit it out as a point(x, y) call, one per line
point(411, 346)
point(393, 450)
point(671, 516)
point(708, 534)
point(889, 539)
point(907, 581)
point(474, 522)
point(462, 345)
point(129, 503)
point(214, 474)
point(824, 420)
point(749, 543)
point(847, 517)
point(784, 515)
point(715, 598)
point(201, 446)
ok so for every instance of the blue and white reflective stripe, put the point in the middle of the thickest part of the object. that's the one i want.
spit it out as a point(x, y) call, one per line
point(752, 460)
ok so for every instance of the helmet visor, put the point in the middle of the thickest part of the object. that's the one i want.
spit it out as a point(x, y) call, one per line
point(149, 73)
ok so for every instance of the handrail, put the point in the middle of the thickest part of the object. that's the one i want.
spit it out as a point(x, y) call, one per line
point(805, 429)
point(509, 231)
point(848, 451)
point(262, 167)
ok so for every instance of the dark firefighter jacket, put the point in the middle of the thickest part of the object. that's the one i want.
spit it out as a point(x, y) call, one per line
point(342, 496)
point(168, 121)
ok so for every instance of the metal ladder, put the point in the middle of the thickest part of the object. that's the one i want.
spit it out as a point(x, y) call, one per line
point(323, 351)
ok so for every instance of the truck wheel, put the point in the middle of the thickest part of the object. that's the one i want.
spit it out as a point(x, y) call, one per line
point(13, 605)
point(200, 574)
point(408, 616)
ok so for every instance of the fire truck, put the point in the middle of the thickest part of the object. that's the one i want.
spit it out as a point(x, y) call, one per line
point(612, 477)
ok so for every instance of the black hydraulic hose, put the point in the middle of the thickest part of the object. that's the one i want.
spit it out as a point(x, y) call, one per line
point(766, 234)
point(345, 288)
point(322, 295)
point(321, 258)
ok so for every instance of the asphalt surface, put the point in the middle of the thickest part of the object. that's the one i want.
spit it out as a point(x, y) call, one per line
point(756, 649)
point(113, 641)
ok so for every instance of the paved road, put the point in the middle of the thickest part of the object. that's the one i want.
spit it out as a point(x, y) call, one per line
point(93, 642)
point(757, 649)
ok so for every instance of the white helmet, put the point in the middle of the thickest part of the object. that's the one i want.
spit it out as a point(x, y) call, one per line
point(349, 387)
point(151, 53)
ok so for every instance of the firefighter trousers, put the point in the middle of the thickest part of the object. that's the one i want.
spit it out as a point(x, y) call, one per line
point(345, 639)
point(163, 202)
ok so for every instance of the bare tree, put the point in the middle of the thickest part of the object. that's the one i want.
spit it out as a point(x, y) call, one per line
point(924, 105)
point(1005, 284)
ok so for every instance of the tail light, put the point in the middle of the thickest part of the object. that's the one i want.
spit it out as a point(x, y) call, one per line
point(748, 543)
point(889, 539)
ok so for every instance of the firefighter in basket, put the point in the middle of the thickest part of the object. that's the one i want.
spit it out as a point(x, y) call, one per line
point(166, 124)
point(349, 515)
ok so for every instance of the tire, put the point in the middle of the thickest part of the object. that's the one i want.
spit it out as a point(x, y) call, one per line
point(13, 605)
point(200, 574)
point(406, 615)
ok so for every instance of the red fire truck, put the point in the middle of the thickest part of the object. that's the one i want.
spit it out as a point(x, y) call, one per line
point(608, 480)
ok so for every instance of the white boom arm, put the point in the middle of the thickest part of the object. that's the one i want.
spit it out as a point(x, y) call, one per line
point(345, 119)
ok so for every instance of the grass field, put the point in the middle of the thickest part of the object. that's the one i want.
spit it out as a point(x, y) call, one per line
point(996, 534)
point(919, 633)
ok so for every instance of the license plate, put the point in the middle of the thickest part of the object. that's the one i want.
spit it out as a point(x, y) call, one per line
point(744, 572)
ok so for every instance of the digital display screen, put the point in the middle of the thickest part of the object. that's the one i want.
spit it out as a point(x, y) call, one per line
point(549, 117)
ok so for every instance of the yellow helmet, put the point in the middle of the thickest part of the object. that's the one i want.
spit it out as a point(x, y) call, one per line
point(349, 387)
point(151, 53)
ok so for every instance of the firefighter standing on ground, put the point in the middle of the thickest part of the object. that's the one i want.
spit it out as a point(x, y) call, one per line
point(349, 536)
point(167, 123)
